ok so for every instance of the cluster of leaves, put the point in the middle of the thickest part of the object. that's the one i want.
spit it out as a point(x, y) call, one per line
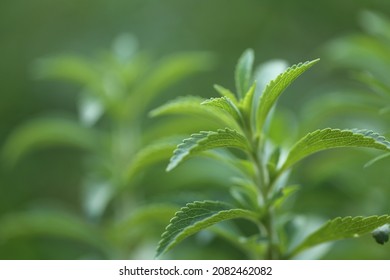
point(117, 87)
point(260, 188)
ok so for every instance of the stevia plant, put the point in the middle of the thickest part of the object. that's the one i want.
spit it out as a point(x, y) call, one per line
point(260, 187)
point(120, 211)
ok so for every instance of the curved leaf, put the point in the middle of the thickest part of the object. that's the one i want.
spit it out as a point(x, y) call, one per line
point(334, 138)
point(376, 159)
point(243, 72)
point(186, 104)
point(206, 140)
point(149, 155)
point(52, 223)
point(246, 103)
point(275, 88)
point(169, 71)
point(67, 67)
point(191, 105)
point(224, 104)
point(226, 93)
point(195, 217)
point(341, 228)
point(48, 132)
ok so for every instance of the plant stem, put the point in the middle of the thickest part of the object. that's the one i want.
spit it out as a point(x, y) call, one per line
point(264, 186)
point(273, 248)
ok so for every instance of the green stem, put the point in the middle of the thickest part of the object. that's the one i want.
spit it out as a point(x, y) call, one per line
point(273, 247)
point(264, 185)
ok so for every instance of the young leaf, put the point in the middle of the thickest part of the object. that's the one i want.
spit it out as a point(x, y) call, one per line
point(244, 72)
point(168, 72)
point(226, 93)
point(191, 105)
point(341, 228)
point(48, 132)
point(195, 217)
point(149, 155)
point(275, 88)
point(284, 194)
point(51, 222)
point(376, 159)
point(225, 104)
point(206, 140)
point(246, 103)
point(67, 67)
point(334, 138)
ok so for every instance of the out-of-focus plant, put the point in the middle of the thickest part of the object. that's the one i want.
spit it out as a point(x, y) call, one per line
point(121, 216)
point(260, 187)
point(366, 56)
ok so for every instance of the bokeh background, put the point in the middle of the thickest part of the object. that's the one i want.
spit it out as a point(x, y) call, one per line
point(333, 183)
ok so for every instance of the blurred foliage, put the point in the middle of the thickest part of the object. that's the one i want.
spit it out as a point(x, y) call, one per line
point(115, 89)
point(57, 177)
point(357, 96)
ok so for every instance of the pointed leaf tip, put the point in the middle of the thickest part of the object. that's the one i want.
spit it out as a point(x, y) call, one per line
point(329, 138)
point(243, 73)
point(206, 140)
point(276, 87)
point(225, 104)
point(195, 217)
point(341, 228)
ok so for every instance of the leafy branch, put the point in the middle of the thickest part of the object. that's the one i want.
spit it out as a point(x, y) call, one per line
point(264, 185)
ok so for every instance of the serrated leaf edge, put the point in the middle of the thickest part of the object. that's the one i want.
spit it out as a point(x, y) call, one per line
point(247, 214)
point(262, 112)
point(365, 134)
point(198, 138)
point(338, 223)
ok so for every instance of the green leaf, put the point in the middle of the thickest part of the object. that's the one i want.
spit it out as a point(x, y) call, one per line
point(374, 83)
point(341, 228)
point(168, 72)
point(246, 104)
point(206, 140)
point(243, 72)
point(284, 194)
point(375, 24)
point(180, 105)
point(245, 193)
point(226, 93)
point(195, 217)
point(376, 159)
point(67, 67)
point(149, 155)
point(50, 222)
point(334, 138)
point(191, 105)
point(46, 132)
point(276, 87)
point(225, 104)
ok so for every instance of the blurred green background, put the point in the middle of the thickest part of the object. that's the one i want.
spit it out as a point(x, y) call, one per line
point(333, 183)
